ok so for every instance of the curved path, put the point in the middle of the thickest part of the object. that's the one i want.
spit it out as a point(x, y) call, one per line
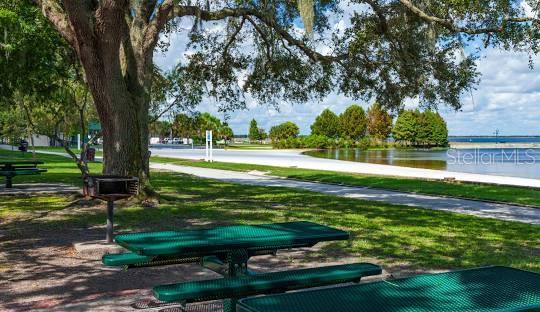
point(471, 207)
point(293, 158)
point(463, 206)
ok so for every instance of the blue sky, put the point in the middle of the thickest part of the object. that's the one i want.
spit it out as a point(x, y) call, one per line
point(507, 98)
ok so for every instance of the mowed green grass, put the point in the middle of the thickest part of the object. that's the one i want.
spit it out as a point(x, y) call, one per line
point(392, 235)
point(59, 169)
point(508, 194)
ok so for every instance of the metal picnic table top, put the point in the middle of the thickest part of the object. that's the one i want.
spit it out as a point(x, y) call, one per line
point(479, 290)
point(226, 238)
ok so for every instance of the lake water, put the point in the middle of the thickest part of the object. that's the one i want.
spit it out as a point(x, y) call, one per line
point(493, 139)
point(514, 162)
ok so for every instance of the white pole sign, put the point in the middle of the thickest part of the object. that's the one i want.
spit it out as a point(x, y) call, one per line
point(209, 146)
point(206, 145)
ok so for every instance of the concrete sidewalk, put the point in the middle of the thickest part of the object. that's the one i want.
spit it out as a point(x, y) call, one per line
point(463, 206)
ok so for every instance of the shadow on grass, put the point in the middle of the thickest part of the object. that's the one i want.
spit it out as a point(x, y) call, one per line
point(38, 246)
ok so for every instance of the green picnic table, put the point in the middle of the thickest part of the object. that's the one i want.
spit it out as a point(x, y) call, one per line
point(231, 246)
point(12, 168)
point(475, 290)
point(225, 239)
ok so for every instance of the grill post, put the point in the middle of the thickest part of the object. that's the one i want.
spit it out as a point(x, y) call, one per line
point(110, 188)
point(110, 221)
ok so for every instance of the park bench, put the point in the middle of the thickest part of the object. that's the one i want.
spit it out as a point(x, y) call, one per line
point(133, 260)
point(10, 169)
point(275, 282)
point(130, 260)
point(487, 289)
point(243, 285)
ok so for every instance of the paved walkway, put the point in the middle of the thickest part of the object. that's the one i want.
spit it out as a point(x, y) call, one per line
point(470, 207)
point(294, 158)
point(464, 206)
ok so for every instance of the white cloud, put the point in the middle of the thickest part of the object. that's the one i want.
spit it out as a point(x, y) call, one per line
point(507, 97)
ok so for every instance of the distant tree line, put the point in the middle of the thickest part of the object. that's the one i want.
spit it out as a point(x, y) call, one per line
point(358, 128)
point(192, 126)
point(352, 128)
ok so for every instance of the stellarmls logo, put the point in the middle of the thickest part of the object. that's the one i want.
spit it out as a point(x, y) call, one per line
point(492, 156)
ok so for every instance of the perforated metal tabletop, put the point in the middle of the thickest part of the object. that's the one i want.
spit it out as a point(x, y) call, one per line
point(225, 238)
point(475, 290)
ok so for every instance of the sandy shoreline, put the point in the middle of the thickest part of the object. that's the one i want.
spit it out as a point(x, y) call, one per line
point(464, 145)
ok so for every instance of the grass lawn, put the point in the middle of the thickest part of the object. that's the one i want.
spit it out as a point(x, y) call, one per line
point(395, 236)
point(59, 169)
point(508, 194)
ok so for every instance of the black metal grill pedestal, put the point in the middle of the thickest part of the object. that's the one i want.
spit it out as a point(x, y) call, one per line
point(110, 189)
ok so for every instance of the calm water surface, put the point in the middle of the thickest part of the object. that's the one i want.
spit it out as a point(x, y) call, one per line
point(514, 162)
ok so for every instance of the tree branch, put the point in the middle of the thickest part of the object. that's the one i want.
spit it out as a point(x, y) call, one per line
point(81, 164)
point(449, 24)
point(145, 9)
point(78, 13)
point(310, 53)
point(52, 10)
point(168, 11)
point(380, 14)
point(155, 118)
point(233, 37)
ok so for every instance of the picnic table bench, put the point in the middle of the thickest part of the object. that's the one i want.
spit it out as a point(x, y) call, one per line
point(226, 250)
point(10, 169)
point(486, 289)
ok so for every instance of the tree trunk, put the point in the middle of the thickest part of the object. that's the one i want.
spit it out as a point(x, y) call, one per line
point(125, 138)
point(122, 105)
point(118, 60)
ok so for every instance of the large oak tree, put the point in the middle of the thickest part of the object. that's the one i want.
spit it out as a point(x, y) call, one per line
point(388, 49)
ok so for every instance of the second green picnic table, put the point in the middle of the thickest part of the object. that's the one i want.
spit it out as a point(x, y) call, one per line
point(12, 168)
point(232, 245)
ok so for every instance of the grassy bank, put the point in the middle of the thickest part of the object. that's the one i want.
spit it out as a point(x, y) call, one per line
point(395, 236)
point(63, 170)
point(508, 194)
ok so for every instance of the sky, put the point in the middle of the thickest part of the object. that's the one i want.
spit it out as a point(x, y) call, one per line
point(506, 99)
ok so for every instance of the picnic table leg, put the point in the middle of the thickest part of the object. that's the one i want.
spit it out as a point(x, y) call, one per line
point(110, 216)
point(9, 182)
point(237, 262)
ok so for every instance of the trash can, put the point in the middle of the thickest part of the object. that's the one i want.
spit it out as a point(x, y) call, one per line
point(23, 146)
point(91, 154)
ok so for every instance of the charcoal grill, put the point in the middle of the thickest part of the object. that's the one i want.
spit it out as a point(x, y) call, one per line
point(110, 189)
